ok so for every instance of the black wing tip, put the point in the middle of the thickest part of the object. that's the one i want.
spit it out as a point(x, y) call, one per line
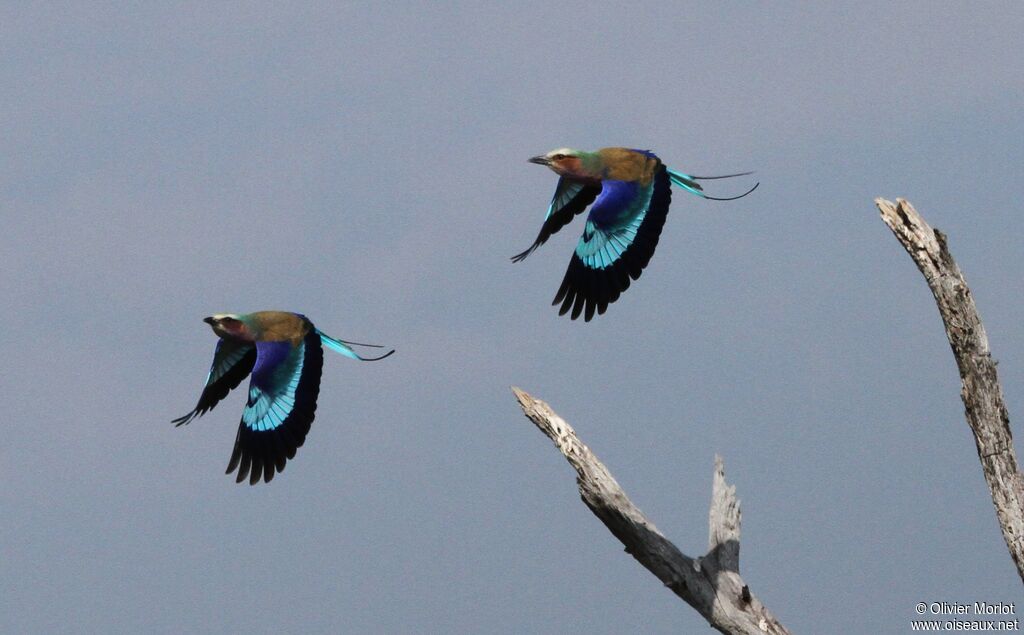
point(263, 460)
point(521, 256)
point(180, 421)
point(252, 470)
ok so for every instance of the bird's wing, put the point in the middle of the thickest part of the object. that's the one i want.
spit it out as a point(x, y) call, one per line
point(618, 241)
point(571, 198)
point(232, 362)
point(282, 403)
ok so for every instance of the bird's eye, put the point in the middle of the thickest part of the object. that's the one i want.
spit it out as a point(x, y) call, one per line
point(558, 157)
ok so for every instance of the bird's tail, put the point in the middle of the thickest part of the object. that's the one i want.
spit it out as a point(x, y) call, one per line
point(690, 184)
point(345, 348)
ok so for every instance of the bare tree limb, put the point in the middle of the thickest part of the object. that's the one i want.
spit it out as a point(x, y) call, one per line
point(980, 390)
point(710, 584)
point(724, 520)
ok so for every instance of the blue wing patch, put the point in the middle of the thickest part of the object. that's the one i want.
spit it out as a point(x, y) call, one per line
point(599, 249)
point(283, 391)
point(232, 362)
point(620, 236)
point(614, 223)
point(274, 382)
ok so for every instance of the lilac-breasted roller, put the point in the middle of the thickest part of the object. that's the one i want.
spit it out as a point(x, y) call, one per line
point(283, 353)
point(630, 191)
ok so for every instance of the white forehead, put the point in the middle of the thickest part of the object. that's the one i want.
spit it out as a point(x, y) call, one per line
point(566, 151)
point(221, 316)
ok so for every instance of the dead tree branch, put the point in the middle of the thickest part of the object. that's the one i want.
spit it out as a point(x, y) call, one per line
point(710, 584)
point(981, 393)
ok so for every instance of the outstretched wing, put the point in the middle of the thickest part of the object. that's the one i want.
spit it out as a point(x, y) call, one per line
point(571, 198)
point(282, 403)
point(232, 362)
point(618, 241)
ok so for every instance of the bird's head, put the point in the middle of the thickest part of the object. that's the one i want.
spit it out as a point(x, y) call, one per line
point(230, 326)
point(564, 162)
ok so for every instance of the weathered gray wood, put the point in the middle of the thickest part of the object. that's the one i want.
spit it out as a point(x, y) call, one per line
point(710, 584)
point(724, 520)
point(980, 390)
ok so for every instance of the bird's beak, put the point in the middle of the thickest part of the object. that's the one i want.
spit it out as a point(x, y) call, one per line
point(209, 320)
point(540, 160)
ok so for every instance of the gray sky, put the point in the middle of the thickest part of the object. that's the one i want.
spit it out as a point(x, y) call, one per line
point(366, 165)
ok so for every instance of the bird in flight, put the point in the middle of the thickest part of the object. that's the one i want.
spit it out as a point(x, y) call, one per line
point(630, 192)
point(284, 353)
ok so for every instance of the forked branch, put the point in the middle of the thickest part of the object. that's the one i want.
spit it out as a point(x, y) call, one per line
point(711, 584)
